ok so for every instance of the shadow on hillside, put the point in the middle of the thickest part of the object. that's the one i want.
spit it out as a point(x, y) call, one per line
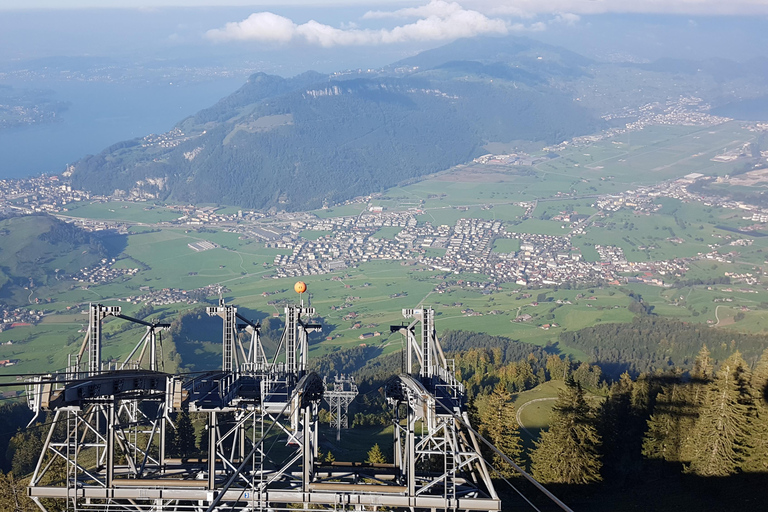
point(114, 243)
point(661, 487)
point(198, 341)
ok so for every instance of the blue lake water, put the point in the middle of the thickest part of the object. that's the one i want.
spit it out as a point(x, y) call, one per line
point(99, 115)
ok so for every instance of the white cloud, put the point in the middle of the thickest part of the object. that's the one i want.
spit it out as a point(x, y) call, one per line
point(434, 25)
point(438, 8)
point(567, 18)
point(259, 26)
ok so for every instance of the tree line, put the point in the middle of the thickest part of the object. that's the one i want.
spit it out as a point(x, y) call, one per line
point(649, 343)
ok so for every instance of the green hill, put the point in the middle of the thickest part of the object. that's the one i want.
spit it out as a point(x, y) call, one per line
point(36, 249)
point(298, 143)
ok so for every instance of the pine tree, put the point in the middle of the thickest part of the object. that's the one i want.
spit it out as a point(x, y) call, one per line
point(696, 391)
point(703, 365)
point(501, 429)
point(621, 428)
point(13, 496)
point(203, 442)
point(185, 435)
point(24, 451)
point(718, 440)
point(759, 382)
point(568, 452)
point(376, 456)
point(558, 367)
point(669, 424)
point(756, 459)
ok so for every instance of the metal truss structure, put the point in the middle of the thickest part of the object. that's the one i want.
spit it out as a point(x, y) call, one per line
point(106, 448)
point(339, 394)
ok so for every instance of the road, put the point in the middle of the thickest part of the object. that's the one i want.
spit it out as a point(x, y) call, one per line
point(526, 404)
point(717, 317)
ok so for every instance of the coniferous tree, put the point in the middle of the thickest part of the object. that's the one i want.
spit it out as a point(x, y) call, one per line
point(501, 429)
point(185, 435)
point(204, 441)
point(24, 451)
point(718, 441)
point(568, 452)
point(696, 391)
point(666, 432)
point(703, 365)
point(756, 459)
point(621, 425)
point(558, 367)
point(13, 495)
point(375, 455)
point(759, 382)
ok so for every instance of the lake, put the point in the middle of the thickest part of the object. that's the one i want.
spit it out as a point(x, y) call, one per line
point(99, 115)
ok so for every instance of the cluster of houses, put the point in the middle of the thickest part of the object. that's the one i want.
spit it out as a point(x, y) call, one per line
point(104, 272)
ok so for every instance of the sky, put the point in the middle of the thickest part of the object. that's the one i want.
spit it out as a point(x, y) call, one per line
point(327, 36)
point(693, 7)
point(175, 57)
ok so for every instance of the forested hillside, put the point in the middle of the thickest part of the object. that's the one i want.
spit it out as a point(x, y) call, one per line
point(298, 143)
point(651, 343)
point(35, 250)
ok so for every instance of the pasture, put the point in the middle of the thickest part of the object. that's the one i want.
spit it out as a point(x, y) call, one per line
point(369, 297)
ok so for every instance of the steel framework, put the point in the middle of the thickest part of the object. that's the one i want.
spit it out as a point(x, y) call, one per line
point(106, 447)
point(339, 394)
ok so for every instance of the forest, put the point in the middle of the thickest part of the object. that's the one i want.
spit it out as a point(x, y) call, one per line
point(345, 138)
point(34, 249)
point(699, 432)
point(650, 343)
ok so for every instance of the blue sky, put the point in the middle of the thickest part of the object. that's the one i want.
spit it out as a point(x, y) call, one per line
point(513, 7)
point(327, 36)
point(143, 4)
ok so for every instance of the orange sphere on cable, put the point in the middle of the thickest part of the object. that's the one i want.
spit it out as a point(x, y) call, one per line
point(300, 287)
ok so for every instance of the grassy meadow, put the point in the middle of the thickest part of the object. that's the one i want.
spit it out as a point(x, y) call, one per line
point(376, 292)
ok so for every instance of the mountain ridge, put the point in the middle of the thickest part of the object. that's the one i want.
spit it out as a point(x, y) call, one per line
point(313, 139)
point(303, 142)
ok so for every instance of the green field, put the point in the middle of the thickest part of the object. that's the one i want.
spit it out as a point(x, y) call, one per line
point(377, 291)
point(122, 211)
point(534, 408)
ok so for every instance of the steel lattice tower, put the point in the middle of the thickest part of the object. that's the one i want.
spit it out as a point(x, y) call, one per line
point(106, 445)
point(339, 394)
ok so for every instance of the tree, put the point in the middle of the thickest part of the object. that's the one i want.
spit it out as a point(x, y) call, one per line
point(558, 367)
point(204, 441)
point(181, 442)
point(718, 440)
point(568, 452)
point(759, 381)
point(756, 459)
point(376, 456)
point(13, 495)
point(621, 424)
point(24, 451)
point(669, 424)
point(185, 434)
point(500, 427)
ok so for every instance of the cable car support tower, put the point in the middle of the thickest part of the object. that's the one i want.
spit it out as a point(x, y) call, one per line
point(106, 447)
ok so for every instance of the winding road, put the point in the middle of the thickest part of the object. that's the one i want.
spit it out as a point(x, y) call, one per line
point(526, 404)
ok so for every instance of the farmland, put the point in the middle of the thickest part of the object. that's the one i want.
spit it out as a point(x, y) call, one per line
point(556, 197)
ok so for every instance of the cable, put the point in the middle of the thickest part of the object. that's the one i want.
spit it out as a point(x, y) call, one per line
point(510, 484)
point(507, 459)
